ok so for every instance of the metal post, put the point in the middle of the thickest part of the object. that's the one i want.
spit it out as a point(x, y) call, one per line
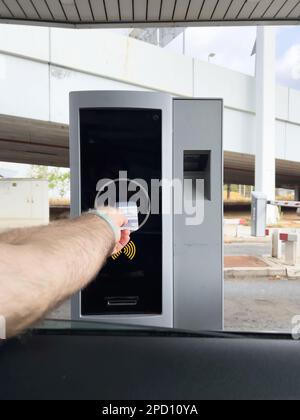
point(259, 214)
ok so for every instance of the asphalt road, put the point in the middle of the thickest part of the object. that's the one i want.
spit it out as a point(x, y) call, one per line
point(251, 305)
point(261, 305)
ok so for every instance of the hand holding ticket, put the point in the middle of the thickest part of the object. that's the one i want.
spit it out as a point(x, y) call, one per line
point(130, 211)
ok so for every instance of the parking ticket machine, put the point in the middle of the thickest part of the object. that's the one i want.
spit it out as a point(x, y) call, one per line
point(164, 154)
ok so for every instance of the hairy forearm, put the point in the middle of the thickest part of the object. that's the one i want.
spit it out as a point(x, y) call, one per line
point(18, 236)
point(49, 266)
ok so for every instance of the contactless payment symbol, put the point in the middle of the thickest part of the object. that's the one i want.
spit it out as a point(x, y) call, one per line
point(129, 250)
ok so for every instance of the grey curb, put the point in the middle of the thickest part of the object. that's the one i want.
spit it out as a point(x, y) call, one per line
point(255, 273)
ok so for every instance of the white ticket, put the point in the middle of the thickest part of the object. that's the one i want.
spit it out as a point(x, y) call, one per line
point(130, 211)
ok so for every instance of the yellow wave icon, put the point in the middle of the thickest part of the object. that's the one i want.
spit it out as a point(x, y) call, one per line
point(129, 250)
point(117, 255)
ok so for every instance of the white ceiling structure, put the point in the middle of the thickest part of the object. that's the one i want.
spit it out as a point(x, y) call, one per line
point(87, 13)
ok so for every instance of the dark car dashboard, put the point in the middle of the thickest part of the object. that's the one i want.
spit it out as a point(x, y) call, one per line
point(73, 364)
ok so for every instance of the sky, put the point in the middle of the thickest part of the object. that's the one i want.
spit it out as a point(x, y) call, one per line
point(14, 170)
point(232, 47)
point(288, 56)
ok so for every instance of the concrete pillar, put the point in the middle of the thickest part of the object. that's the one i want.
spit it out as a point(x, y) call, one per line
point(276, 244)
point(297, 198)
point(291, 253)
point(228, 191)
point(265, 117)
point(298, 242)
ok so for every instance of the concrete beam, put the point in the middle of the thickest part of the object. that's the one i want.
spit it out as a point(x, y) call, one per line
point(265, 169)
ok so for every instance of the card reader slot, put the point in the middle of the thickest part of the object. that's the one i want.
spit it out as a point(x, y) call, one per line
point(122, 301)
point(197, 165)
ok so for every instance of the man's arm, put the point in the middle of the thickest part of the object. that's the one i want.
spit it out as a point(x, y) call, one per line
point(19, 236)
point(52, 264)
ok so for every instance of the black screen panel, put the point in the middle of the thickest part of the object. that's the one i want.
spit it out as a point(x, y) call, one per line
point(114, 140)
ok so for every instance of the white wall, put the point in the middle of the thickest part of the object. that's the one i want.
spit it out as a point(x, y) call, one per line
point(63, 81)
point(24, 88)
point(122, 58)
point(25, 41)
point(40, 66)
point(237, 89)
point(239, 131)
point(26, 203)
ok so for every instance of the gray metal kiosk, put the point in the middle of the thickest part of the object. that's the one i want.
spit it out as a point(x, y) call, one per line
point(259, 214)
point(175, 277)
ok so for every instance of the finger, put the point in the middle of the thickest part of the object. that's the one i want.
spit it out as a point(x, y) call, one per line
point(117, 249)
point(125, 238)
point(122, 219)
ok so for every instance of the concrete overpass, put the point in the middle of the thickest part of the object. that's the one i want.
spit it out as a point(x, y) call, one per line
point(40, 66)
